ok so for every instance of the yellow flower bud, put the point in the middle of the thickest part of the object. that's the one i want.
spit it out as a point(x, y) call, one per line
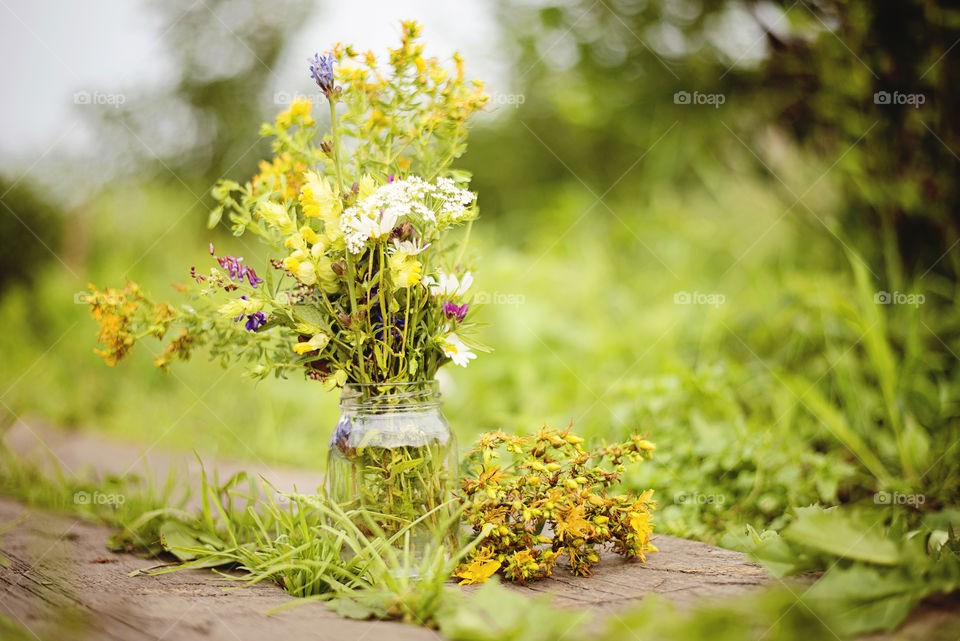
point(306, 273)
point(308, 234)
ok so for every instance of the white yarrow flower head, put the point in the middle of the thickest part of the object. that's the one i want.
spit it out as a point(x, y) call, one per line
point(448, 284)
point(459, 353)
point(377, 214)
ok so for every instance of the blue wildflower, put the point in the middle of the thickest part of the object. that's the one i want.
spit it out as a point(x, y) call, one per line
point(321, 70)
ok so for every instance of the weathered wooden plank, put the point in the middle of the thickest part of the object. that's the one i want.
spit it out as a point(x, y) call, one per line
point(59, 581)
point(58, 572)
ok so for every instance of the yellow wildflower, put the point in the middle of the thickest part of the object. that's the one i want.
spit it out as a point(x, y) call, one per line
point(306, 273)
point(317, 197)
point(292, 262)
point(281, 172)
point(522, 566)
point(178, 348)
point(297, 114)
point(241, 306)
point(308, 234)
point(481, 568)
point(573, 524)
point(295, 241)
point(640, 523)
point(317, 342)
point(276, 215)
point(327, 278)
point(367, 185)
point(405, 269)
point(113, 310)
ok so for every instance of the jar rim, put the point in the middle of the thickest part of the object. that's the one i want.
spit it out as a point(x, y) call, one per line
point(408, 394)
point(434, 383)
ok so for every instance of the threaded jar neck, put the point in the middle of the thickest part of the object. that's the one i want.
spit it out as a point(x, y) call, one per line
point(376, 398)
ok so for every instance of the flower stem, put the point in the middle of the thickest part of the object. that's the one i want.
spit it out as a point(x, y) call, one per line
point(336, 143)
point(463, 245)
point(351, 269)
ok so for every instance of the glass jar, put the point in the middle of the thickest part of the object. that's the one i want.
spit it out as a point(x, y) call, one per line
point(393, 460)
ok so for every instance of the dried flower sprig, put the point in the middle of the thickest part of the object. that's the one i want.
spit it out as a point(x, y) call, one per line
point(551, 500)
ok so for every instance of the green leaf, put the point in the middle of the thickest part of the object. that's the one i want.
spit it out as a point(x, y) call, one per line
point(778, 556)
point(214, 218)
point(399, 468)
point(916, 444)
point(373, 606)
point(844, 534)
point(867, 598)
point(175, 536)
point(309, 314)
point(494, 613)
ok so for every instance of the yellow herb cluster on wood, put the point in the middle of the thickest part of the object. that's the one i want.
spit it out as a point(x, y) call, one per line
point(551, 500)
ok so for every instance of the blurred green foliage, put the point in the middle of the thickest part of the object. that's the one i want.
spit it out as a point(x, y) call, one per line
point(24, 245)
point(867, 86)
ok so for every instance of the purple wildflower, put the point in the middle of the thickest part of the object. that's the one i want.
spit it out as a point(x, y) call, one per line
point(321, 70)
point(233, 265)
point(211, 249)
point(239, 271)
point(452, 310)
point(252, 277)
point(254, 321)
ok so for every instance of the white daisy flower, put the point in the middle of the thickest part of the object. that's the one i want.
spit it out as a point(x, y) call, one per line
point(459, 353)
point(409, 247)
point(448, 284)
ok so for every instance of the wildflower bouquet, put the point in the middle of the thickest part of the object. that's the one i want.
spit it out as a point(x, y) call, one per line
point(365, 287)
point(365, 284)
